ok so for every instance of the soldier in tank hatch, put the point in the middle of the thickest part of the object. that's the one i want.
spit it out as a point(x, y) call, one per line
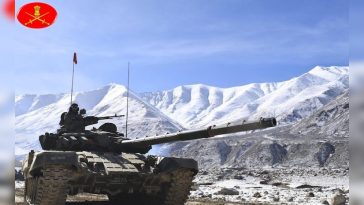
point(74, 121)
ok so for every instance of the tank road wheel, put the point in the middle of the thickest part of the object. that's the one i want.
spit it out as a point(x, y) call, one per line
point(49, 189)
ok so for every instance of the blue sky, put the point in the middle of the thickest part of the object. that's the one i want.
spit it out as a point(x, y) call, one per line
point(169, 43)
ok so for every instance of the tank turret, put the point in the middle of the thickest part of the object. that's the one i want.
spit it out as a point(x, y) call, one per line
point(107, 139)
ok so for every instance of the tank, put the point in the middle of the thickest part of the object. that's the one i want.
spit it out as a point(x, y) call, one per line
point(104, 161)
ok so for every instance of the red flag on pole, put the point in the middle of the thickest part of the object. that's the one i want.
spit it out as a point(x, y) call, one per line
point(74, 58)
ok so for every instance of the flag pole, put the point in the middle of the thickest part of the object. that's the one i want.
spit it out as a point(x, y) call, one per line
point(73, 73)
point(127, 103)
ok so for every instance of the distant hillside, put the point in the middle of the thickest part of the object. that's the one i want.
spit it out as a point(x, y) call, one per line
point(188, 106)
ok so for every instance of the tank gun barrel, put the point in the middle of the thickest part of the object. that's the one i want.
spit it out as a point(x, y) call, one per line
point(112, 141)
point(211, 131)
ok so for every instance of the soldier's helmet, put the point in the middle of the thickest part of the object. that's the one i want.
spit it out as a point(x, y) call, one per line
point(74, 108)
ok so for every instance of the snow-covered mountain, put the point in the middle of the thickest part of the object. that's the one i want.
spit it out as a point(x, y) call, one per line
point(200, 105)
point(182, 107)
point(36, 114)
point(322, 139)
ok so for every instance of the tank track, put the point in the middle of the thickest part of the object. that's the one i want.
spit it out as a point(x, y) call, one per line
point(49, 189)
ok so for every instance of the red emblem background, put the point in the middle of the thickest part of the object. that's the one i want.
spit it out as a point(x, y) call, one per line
point(46, 17)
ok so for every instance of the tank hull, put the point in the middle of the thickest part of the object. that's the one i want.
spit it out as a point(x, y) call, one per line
point(120, 176)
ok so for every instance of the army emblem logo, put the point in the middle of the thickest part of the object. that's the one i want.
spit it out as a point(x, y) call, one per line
point(37, 15)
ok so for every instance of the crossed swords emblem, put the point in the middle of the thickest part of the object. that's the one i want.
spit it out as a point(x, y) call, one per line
point(37, 16)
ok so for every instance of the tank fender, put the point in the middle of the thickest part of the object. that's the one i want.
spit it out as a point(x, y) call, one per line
point(43, 159)
point(169, 164)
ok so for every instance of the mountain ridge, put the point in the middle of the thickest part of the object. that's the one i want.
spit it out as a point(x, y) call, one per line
point(250, 101)
point(186, 106)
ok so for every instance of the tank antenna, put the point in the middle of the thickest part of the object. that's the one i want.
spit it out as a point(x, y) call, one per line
point(127, 103)
point(73, 72)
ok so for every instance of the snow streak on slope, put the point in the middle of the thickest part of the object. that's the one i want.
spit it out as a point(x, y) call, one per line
point(39, 114)
point(200, 105)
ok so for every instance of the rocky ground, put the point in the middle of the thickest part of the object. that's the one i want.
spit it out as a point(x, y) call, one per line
point(273, 186)
point(259, 186)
